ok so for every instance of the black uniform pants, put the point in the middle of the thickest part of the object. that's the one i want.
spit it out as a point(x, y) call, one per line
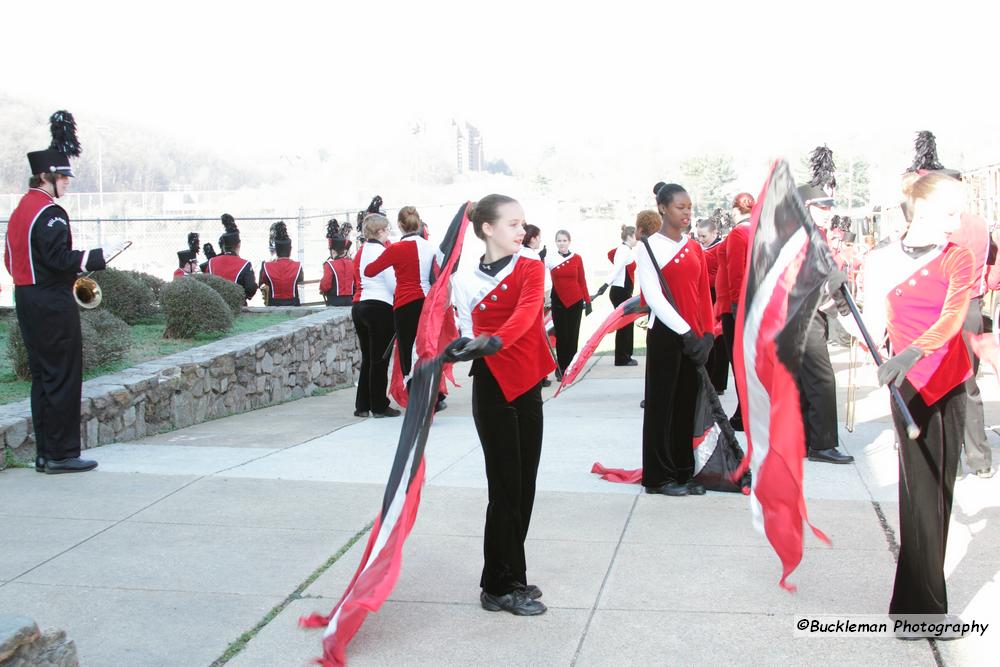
point(511, 436)
point(50, 325)
point(373, 323)
point(977, 448)
point(406, 319)
point(668, 418)
point(927, 469)
point(729, 334)
point(818, 388)
point(340, 300)
point(566, 322)
point(624, 337)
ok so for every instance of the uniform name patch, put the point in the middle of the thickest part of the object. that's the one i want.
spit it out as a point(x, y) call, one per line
point(56, 221)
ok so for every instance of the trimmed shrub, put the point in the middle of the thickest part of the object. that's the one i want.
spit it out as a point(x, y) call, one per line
point(106, 338)
point(125, 295)
point(16, 351)
point(231, 293)
point(151, 281)
point(192, 308)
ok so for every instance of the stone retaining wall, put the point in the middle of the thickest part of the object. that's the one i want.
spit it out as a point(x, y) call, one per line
point(237, 374)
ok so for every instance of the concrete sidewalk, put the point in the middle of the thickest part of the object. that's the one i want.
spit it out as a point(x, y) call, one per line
point(181, 543)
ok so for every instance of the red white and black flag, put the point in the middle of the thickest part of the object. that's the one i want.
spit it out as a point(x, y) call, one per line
point(383, 557)
point(787, 265)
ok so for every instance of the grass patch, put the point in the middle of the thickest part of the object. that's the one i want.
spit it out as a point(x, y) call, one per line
point(12, 462)
point(148, 343)
point(241, 643)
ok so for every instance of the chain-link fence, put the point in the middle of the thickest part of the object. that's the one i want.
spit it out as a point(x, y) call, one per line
point(156, 240)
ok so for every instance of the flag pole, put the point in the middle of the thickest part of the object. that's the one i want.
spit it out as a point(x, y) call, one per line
point(912, 430)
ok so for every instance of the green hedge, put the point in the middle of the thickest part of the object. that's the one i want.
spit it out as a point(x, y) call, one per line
point(107, 339)
point(230, 292)
point(125, 295)
point(16, 351)
point(192, 308)
point(152, 282)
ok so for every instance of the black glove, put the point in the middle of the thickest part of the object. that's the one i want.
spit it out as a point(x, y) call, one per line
point(834, 284)
point(601, 290)
point(895, 369)
point(587, 308)
point(697, 348)
point(466, 349)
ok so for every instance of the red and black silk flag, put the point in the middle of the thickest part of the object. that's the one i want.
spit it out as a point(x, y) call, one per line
point(787, 265)
point(383, 556)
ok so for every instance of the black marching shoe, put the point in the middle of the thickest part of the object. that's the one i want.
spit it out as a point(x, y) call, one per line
point(532, 591)
point(388, 412)
point(546, 382)
point(516, 602)
point(695, 488)
point(630, 362)
point(670, 489)
point(360, 413)
point(39, 464)
point(53, 467)
point(440, 405)
point(829, 456)
point(642, 404)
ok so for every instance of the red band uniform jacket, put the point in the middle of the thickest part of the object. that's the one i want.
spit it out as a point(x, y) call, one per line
point(283, 276)
point(508, 305)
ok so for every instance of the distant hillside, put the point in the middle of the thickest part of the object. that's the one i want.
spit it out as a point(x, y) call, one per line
point(133, 159)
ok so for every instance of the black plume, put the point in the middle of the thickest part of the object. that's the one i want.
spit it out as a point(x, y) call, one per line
point(194, 242)
point(332, 229)
point(925, 148)
point(63, 129)
point(209, 251)
point(279, 231)
point(376, 205)
point(229, 223)
point(823, 168)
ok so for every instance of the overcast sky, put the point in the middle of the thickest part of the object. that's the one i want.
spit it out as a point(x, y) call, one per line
point(255, 78)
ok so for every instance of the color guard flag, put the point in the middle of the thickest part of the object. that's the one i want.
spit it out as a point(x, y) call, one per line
point(788, 263)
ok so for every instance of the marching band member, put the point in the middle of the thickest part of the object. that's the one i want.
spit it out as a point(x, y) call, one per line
point(280, 278)
point(718, 362)
point(372, 315)
point(412, 260)
point(729, 280)
point(187, 260)
point(337, 285)
point(503, 297)
point(39, 256)
point(678, 340)
point(570, 297)
point(228, 264)
point(919, 294)
point(816, 380)
point(622, 282)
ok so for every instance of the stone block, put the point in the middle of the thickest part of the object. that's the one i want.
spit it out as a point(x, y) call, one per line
point(267, 364)
point(128, 416)
point(105, 433)
point(16, 433)
point(15, 632)
point(182, 410)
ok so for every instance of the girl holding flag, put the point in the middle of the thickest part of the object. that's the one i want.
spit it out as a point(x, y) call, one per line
point(919, 296)
point(503, 298)
point(678, 340)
